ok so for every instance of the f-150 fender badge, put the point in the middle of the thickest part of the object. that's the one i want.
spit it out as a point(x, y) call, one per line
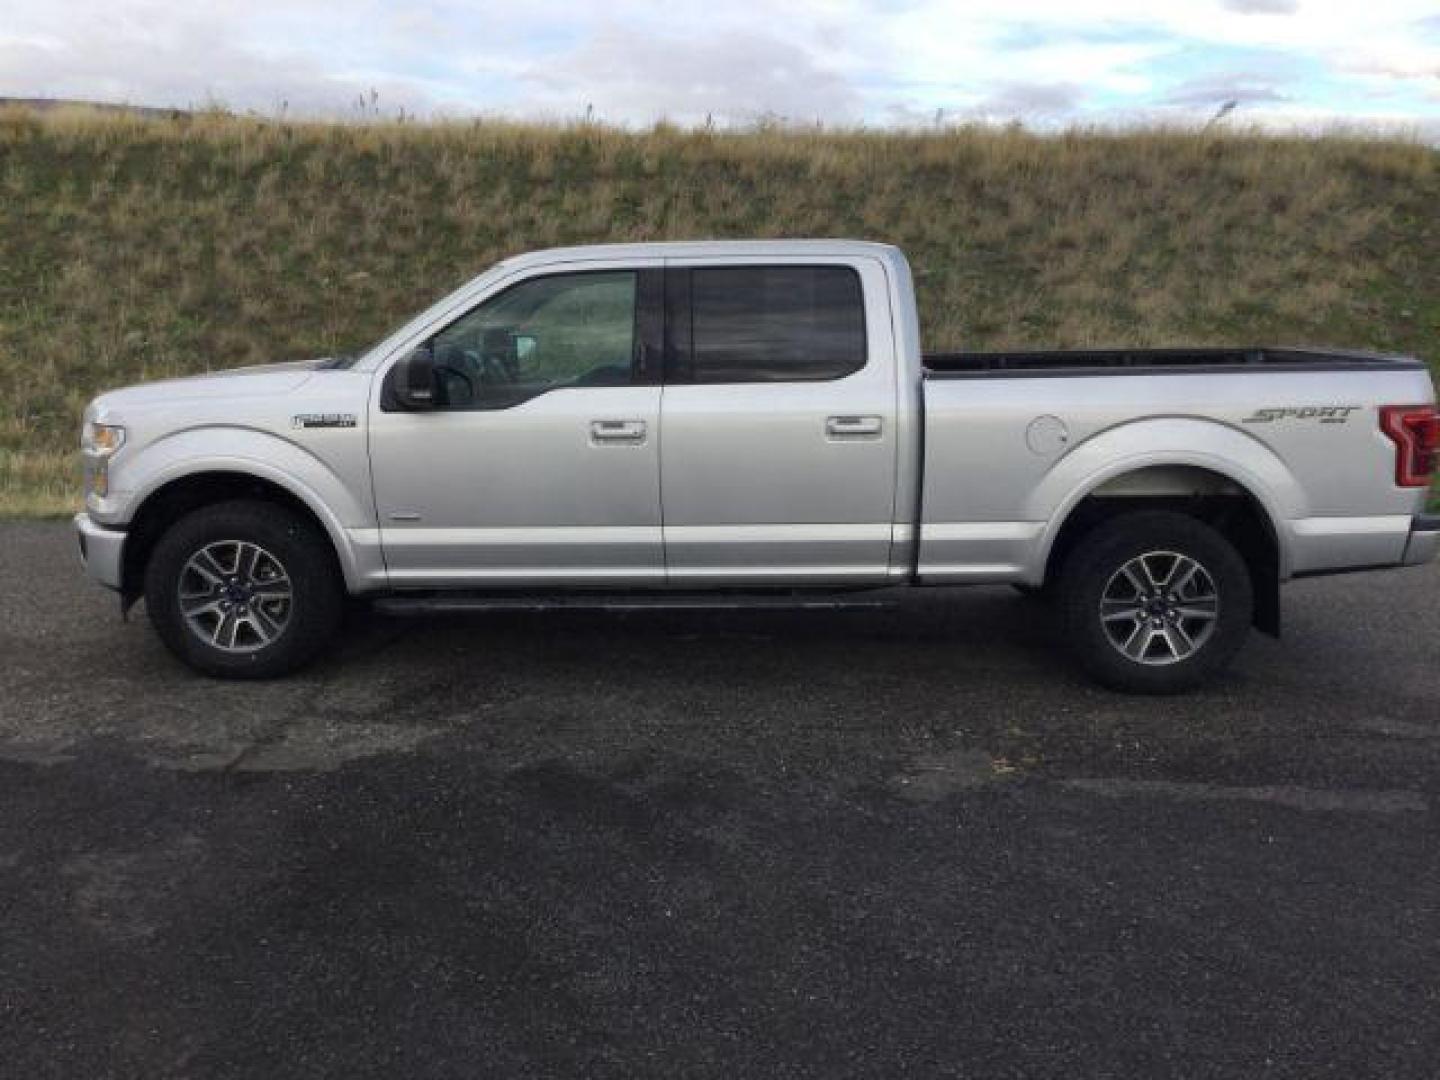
point(324, 419)
point(1326, 414)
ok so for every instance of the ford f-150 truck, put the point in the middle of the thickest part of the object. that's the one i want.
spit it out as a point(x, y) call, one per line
point(728, 423)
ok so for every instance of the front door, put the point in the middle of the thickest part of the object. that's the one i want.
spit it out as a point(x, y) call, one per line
point(778, 440)
point(539, 466)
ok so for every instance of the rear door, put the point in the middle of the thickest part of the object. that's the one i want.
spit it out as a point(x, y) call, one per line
point(778, 440)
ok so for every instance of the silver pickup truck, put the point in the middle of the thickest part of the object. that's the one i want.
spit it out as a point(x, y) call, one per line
point(718, 424)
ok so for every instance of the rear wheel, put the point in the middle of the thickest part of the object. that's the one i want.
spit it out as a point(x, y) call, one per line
point(1155, 602)
point(244, 589)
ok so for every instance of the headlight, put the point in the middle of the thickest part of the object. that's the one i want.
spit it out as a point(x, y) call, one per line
point(99, 443)
point(102, 440)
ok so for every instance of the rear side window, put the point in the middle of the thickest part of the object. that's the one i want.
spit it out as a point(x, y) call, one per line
point(774, 324)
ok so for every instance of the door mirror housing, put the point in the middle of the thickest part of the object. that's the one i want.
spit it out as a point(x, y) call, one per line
point(414, 381)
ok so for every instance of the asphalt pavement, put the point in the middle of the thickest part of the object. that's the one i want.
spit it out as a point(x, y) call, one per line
point(895, 843)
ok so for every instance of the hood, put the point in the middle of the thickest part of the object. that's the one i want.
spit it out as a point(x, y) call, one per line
point(261, 380)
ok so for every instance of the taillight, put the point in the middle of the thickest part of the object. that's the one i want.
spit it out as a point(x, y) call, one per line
point(1415, 431)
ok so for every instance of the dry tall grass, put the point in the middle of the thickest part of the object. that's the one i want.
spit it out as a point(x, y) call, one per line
point(133, 248)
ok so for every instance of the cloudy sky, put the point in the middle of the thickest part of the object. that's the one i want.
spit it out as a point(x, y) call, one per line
point(876, 62)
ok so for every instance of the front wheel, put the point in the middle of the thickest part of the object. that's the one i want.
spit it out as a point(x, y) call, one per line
point(1155, 602)
point(244, 589)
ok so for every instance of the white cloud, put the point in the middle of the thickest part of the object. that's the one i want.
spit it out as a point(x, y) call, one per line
point(1029, 101)
point(148, 53)
point(1211, 91)
point(1263, 7)
point(837, 60)
point(731, 75)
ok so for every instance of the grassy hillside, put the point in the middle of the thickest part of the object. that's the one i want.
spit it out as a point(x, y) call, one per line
point(134, 248)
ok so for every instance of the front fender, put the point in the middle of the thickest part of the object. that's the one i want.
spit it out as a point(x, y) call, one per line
point(1172, 441)
point(341, 503)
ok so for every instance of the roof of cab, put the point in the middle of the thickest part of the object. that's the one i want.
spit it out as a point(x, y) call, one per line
point(699, 249)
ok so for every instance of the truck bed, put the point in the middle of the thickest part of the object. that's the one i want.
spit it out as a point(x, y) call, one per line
point(1008, 435)
point(1206, 360)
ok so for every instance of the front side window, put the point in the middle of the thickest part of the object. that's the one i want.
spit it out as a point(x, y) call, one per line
point(775, 323)
point(542, 334)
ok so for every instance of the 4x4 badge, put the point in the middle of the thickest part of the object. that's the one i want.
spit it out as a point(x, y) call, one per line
point(326, 419)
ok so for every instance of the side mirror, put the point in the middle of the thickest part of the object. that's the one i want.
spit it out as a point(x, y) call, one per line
point(415, 379)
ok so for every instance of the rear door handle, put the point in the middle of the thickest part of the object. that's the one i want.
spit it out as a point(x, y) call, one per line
point(852, 427)
point(621, 431)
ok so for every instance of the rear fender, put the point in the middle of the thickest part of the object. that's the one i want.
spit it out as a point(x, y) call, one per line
point(1171, 441)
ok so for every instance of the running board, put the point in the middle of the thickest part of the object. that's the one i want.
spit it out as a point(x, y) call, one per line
point(444, 605)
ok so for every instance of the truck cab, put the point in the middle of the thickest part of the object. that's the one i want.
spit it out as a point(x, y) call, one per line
point(709, 415)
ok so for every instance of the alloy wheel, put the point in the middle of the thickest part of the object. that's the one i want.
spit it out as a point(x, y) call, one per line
point(235, 596)
point(1159, 608)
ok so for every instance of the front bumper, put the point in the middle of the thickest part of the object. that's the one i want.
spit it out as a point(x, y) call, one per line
point(101, 551)
point(1424, 539)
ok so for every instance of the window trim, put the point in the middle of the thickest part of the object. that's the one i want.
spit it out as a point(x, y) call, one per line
point(646, 348)
point(679, 330)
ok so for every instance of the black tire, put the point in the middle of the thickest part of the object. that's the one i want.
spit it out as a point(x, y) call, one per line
point(280, 635)
point(1140, 643)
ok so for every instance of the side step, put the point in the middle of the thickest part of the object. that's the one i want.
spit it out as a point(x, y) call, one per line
point(444, 604)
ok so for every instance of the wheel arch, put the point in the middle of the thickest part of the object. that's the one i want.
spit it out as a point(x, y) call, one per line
point(1232, 504)
point(171, 497)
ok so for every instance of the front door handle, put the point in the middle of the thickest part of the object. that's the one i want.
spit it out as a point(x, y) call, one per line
point(617, 431)
point(852, 427)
